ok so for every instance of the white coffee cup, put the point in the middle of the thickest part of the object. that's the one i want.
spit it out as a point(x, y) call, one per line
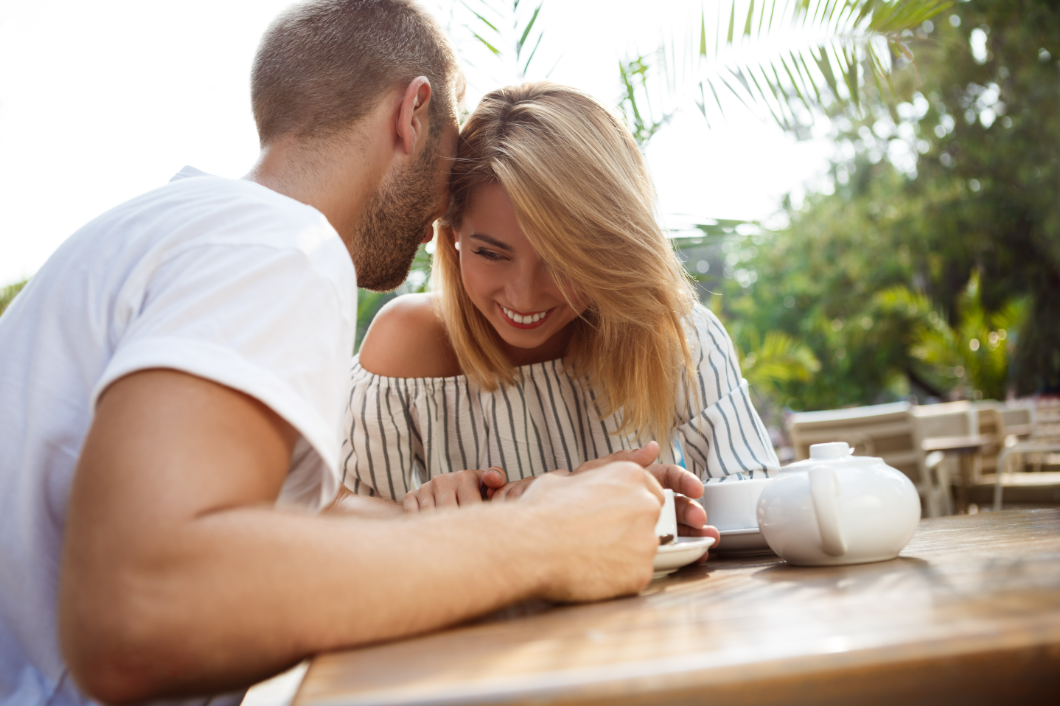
point(731, 502)
point(667, 524)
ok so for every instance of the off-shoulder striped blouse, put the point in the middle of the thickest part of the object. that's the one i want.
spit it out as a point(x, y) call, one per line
point(400, 432)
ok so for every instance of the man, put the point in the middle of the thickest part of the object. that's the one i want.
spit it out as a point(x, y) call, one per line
point(172, 387)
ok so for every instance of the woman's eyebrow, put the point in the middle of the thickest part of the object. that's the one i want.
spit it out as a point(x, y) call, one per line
point(492, 241)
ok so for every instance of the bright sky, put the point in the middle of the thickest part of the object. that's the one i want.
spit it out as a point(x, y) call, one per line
point(104, 100)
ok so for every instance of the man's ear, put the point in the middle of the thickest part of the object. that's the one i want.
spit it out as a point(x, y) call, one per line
point(413, 122)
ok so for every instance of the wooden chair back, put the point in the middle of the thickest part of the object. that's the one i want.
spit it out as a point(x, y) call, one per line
point(1018, 418)
point(946, 419)
point(887, 431)
point(991, 425)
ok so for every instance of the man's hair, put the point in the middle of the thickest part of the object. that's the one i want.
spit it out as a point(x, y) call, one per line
point(324, 64)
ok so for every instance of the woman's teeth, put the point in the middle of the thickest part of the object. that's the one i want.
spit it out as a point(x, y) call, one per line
point(528, 319)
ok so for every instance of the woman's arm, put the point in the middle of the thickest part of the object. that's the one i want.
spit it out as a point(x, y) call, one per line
point(720, 432)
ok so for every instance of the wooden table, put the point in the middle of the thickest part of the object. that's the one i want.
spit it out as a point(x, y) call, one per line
point(969, 612)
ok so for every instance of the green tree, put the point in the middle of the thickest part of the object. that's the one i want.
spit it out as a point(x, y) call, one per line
point(991, 173)
point(960, 178)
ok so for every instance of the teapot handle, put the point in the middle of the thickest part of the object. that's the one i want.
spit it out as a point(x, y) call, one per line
point(824, 487)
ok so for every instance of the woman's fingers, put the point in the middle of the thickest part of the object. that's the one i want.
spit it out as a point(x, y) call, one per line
point(677, 479)
point(469, 493)
point(689, 513)
point(460, 488)
point(685, 531)
point(494, 477)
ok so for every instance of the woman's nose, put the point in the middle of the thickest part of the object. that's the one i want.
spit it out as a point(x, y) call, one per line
point(525, 288)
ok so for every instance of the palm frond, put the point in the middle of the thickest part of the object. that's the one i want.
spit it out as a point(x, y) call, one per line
point(785, 58)
point(509, 33)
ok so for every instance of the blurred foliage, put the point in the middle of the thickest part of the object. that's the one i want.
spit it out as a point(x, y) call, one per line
point(369, 303)
point(7, 294)
point(974, 355)
point(634, 75)
point(955, 201)
point(771, 361)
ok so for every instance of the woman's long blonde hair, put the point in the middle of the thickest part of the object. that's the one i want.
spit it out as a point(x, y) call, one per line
point(583, 197)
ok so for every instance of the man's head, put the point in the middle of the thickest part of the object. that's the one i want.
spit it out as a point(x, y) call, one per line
point(322, 70)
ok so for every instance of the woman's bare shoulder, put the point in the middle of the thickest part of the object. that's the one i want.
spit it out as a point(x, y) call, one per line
point(407, 339)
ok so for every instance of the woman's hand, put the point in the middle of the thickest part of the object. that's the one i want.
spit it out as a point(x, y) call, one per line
point(691, 517)
point(459, 488)
point(511, 491)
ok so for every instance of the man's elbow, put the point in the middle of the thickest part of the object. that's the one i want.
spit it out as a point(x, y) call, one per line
point(109, 650)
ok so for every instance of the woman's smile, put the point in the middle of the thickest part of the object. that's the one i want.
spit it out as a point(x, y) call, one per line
point(525, 321)
point(499, 267)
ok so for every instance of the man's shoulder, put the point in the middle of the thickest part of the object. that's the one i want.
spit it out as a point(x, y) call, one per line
point(217, 212)
point(230, 204)
point(408, 339)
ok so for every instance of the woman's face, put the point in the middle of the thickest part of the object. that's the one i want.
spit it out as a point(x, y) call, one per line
point(509, 283)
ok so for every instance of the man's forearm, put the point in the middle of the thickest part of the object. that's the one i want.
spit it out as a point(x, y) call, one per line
point(304, 585)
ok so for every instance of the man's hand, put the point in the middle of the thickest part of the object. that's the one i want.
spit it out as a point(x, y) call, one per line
point(461, 488)
point(599, 526)
point(691, 517)
point(642, 457)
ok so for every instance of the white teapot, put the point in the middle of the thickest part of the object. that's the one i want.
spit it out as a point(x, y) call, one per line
point(837, 508)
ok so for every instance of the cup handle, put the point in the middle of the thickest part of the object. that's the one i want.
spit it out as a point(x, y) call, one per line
point(823, 491)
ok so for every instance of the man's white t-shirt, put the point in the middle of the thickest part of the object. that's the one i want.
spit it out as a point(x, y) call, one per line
point(220, 278)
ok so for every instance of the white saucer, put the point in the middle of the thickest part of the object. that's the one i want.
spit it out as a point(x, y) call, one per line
point(681, 552)
point(742, 542)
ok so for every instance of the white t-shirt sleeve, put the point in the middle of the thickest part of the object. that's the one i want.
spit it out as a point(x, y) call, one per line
point(260, 319)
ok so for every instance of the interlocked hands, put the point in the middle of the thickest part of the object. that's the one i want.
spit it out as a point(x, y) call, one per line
point(463, 488)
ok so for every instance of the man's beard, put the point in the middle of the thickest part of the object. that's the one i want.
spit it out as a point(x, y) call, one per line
point(395, 220)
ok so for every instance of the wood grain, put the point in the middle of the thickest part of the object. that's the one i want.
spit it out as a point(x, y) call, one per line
point(970, 609)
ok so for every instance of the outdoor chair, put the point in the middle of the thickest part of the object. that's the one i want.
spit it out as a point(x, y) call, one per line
point(947, 420)
point(1015, 480)
point(888, 431)
point(991, 425)
point(1019, 421)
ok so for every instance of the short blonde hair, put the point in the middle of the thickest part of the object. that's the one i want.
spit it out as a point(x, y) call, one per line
point(585, 201)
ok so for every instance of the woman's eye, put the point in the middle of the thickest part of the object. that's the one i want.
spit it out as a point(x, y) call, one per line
point(488, 254)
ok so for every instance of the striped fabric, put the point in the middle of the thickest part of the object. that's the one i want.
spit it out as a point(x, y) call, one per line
point(401, 432)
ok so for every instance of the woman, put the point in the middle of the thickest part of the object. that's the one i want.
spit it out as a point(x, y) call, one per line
point(562, 328)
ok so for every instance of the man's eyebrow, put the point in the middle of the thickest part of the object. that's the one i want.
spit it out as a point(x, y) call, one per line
point(489, 240)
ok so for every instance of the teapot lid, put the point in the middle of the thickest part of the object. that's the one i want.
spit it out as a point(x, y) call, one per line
point(835, 449)
point(835, 452)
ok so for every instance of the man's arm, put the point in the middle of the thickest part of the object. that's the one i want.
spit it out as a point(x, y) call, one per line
point(179, 577)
